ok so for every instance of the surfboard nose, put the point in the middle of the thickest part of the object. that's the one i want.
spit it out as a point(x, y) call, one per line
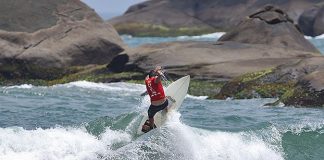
point(186, 77)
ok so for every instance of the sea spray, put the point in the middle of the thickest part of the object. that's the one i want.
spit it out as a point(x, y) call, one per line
point(53, 144)
point(203, 144)
point(201, 129)
point(121, 86)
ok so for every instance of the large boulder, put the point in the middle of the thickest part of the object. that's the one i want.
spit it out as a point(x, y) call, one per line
point(311, 22)
point(269, 26)
point(309, 89)
point(179, 17)
point(254, 45)
point(288, 81)
point(42, 39)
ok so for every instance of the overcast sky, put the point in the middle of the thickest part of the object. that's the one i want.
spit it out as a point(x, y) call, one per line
point(110, 8)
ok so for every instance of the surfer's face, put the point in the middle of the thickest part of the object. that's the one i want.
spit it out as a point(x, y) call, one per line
point(152, 73)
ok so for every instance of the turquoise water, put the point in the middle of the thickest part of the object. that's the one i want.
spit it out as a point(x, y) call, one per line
point(318, 43)
point(137, 41)
point(85, 120)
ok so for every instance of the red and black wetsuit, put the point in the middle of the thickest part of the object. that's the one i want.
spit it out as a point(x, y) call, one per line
point(156, 92)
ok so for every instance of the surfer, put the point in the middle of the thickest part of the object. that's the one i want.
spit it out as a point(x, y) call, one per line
point(155, 90)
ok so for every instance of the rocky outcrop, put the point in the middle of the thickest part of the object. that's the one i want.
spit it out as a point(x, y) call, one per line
point(44, 39)
point(309, 88)
point(295, 84)
point(311, 22)
point(267, 39)
point(265, 56)
point(269, 26)
point(206, 60)
point(189, 17)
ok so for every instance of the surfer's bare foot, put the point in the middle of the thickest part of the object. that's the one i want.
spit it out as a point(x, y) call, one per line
point(146, 128)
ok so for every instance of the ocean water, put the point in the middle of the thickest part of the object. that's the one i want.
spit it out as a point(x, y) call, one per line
point(90, 121)
point(137, 41)
point(318, 41)
point(98, 121)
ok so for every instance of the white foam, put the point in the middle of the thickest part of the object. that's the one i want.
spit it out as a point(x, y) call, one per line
point(127, 36)
point(209, 36)
point(144, 103)
point(317, 37)
point(196, 97)
point(201, 144)
point(306, 126)
point(51, 144)
point(23, 86)
point(120, 86)
point(320, 36)
point(57, 144)
point(175, 140)
point(111, 137)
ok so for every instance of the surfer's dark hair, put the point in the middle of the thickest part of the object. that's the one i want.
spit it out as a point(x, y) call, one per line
point(151, 73)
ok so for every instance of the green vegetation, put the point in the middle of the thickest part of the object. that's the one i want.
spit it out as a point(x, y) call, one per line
point(288, 94)
point(273, 89)
point(94, 73)
point(254, 75)
point(269, 90)
point(144, 30)
point(252, 85)
point(303, 95)
point(204, 88)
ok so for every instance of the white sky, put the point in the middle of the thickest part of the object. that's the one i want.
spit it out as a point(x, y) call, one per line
point(112, 7)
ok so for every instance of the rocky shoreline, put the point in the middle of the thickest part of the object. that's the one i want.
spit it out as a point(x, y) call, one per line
point(195, 17)
point(265, 55)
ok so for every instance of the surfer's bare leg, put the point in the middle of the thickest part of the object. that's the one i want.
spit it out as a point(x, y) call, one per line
point(151, 122)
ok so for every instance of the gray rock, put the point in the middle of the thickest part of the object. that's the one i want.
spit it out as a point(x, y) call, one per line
point(309, 89)
point(311, 22)
point(267, 39)
point(298, 84)
point(209, 15)
point(41, 39)
point(270, 26)
point(206, 60)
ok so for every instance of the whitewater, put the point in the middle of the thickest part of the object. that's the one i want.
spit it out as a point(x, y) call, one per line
point(98, 121)
point(91, 121)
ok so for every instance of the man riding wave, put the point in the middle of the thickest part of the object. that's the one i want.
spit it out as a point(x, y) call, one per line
point(154, 89)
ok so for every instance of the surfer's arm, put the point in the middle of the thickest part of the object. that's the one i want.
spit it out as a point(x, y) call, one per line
point(158, 78)
point(159, 74)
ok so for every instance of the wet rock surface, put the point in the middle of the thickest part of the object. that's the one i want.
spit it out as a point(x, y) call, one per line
point(190, 17)
point(311, 22)
point(43, 39)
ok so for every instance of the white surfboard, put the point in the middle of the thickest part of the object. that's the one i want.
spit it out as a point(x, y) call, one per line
point(176, 93)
